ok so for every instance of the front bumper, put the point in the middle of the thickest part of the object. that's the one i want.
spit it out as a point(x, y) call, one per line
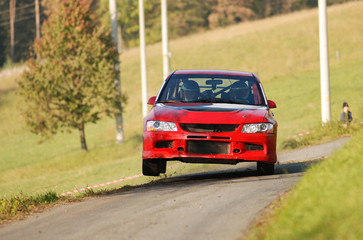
point(210, 147)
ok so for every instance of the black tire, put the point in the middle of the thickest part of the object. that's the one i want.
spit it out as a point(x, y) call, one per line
point(153, 167)
point(265, 168)
point(162, 166)
point(150, 167)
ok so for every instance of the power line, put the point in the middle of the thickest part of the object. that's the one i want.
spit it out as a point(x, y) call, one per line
point(19, 18)
point(4, 23)
point(19, 14)
point(29, 10)
point(21, 7)
point(26, 6)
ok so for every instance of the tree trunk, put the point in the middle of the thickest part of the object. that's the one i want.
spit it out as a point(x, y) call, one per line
point(83, 137)
point(12, 29)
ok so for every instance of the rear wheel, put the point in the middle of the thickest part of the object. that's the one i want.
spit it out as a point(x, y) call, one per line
point(153, 167)
point(265, 168)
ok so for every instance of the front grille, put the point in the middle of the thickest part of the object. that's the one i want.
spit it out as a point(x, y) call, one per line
point(216, 137)
point(199, 137)
point(208, 147)
point(190, 127)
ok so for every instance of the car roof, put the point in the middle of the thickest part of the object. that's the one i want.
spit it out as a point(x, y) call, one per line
point(213, 71)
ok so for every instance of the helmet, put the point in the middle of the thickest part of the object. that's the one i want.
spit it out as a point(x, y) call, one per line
point(190, 90)
point(240, 90)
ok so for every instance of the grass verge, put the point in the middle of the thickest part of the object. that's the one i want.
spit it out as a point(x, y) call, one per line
point(22, 205)
point(325, 204)
point(320, 134)
point(16, 207)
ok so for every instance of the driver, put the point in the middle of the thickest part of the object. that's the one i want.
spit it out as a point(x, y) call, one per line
point(239, 91)
point(190, 91)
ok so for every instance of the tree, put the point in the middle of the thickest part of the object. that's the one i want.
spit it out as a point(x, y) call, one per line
point(186, 17)
point(226, 12)
point(2, 47)
point(71, 82)
point(128, 19)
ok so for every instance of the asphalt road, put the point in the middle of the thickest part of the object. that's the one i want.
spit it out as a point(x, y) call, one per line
point(217, 204)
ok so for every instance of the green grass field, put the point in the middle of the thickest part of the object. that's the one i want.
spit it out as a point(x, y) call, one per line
point(282, 50)
point(326, 203)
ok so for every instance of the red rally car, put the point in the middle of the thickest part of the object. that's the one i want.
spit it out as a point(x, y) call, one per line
point(210, 116)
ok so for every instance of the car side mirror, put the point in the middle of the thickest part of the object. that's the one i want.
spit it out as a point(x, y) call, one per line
point(271, 104)
point(151, 100)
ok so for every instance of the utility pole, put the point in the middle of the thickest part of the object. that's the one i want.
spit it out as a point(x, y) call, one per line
point(143, 57)
point(37, 19)
point(324, 63)
point(114, 29)
point(12, 22)
point(164, 27)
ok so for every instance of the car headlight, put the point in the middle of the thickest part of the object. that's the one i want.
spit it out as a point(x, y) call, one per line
point(258, 128)
point(161, 126)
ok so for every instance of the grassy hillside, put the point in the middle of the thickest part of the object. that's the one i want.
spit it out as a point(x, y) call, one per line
point(283, 51)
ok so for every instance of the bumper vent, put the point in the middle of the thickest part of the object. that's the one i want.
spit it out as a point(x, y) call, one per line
point(189, 127)
point(164, 144)
point(253, 147)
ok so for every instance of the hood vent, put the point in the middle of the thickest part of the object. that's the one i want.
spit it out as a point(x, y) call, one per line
point(201, 109)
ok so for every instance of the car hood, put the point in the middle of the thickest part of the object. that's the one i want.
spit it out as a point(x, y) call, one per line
point(208, 113)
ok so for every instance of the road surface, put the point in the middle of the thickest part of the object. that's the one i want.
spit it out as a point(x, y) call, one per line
point(217, 204)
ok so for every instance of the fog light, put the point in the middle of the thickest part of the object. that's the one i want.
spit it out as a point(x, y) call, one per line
point(236, 150)
point(180, 149)
point(253, 147)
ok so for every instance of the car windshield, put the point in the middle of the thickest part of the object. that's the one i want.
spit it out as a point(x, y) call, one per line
point(212, 89)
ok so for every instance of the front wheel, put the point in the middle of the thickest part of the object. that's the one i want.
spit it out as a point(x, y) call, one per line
point(153, 167)
point(265, 168)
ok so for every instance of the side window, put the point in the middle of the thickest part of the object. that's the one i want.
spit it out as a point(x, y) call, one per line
point(178, 90)
point(170, 91)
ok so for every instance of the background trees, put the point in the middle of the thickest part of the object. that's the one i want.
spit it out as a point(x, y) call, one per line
point(70, 82)
point(24, 29)
point(185, 17)
point(190, 16)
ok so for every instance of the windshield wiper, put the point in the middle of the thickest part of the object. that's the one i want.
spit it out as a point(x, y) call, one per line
point(171, 101)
